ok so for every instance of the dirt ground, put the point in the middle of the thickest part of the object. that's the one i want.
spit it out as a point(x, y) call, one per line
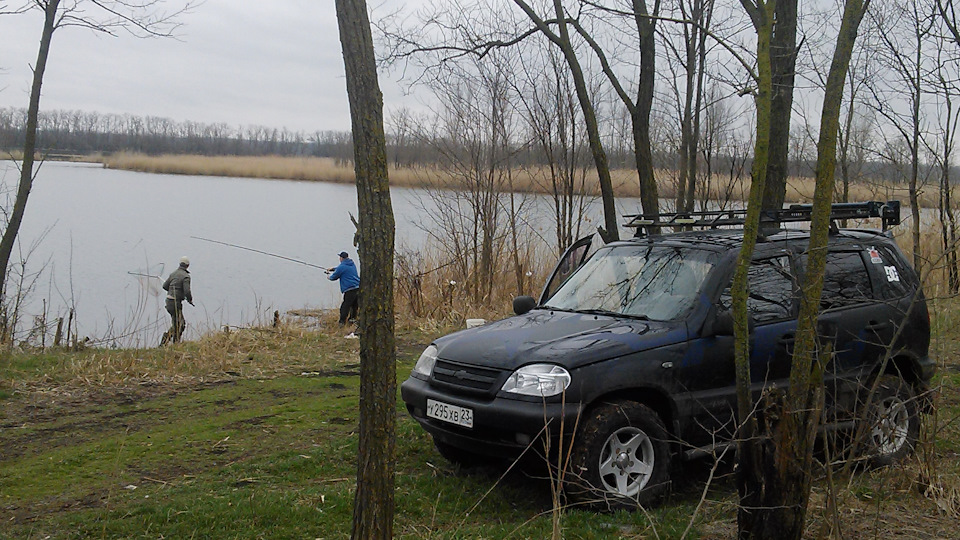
point(920, 499)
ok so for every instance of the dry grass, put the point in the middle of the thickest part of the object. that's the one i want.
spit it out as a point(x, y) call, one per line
point(933, 269)
point(273, 167)
point(246, 352)
point(530, 180)
point(430, 293)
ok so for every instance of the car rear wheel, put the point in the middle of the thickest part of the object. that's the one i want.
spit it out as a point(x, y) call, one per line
point(893, 423)
point(620, 458)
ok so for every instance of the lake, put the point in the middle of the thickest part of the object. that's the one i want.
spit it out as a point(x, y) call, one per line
point(91, 236)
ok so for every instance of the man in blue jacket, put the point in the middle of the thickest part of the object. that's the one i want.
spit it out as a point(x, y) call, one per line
point(349, 278)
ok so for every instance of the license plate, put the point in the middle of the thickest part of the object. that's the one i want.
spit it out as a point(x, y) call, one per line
point(453, 414)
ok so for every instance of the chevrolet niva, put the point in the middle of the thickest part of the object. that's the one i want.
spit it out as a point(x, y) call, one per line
point(627, 359)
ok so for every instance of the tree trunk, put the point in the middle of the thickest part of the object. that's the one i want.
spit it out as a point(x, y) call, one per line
point(777, 509)
point(750, 476)
point(611, 229)
point(373, 504)
point(783, 60)
point(915, 143)
point(29, 146)
point(646, 29)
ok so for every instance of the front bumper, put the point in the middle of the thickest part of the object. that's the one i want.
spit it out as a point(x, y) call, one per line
point(502, 427)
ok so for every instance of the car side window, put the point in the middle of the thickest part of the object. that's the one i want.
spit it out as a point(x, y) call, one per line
point(896, 281)
point(771, 290)
point(845, 281)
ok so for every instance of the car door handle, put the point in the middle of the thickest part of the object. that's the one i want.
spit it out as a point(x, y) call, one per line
point(875, 326)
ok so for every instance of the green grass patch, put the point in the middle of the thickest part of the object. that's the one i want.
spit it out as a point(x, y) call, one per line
point(261, 441)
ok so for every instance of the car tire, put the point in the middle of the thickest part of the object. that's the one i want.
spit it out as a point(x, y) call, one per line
point(620, 458)
point(893, 422)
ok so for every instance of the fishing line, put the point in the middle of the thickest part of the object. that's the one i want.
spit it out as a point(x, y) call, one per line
point(259, 251)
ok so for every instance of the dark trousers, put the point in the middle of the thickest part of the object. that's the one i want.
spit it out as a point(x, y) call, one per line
point(350, 306)
point(177, 323)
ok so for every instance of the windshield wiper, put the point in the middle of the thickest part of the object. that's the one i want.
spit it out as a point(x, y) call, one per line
point(612, 314)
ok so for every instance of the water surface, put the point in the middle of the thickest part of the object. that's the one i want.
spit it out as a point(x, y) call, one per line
point(92, 230)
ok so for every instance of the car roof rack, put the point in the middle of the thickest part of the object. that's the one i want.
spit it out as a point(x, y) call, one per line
point(888, 211)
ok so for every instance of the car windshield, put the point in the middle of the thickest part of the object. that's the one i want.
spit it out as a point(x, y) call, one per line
point(651, 282)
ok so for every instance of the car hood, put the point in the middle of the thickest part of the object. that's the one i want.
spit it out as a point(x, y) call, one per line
point(556, 337)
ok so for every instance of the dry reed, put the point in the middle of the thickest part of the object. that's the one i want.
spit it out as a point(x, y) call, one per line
point(528, 180)
point(254, 352)
point(270, 167)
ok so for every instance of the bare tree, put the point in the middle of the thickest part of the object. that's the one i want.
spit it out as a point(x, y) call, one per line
point(720, 146)
point(691, 55)
point(903, 31)
point(750, 477)
point(467, 30)
point(373, 507)
point(552, 114)
point(473, 136)
point(774, 480)
point(854, 138)
point(948, 18)
point(144, 18)
point(644, 21)
point(946, 91)
point(561, 38)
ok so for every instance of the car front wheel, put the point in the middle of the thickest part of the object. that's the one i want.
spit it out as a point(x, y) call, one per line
point(620, 458)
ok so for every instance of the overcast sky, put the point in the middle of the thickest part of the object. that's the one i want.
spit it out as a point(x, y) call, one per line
point(274, 63)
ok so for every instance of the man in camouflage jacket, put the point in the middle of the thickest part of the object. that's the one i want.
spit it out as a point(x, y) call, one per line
point(177, 286)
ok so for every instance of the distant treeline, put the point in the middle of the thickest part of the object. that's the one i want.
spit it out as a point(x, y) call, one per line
point(84, 133)
point(79, 132)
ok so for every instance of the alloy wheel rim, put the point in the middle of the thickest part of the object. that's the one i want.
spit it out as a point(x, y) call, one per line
point(626, 461)
point(891, 427)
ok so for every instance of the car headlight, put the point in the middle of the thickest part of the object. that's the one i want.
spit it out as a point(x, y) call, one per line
point(427, 359)
point(540, 380)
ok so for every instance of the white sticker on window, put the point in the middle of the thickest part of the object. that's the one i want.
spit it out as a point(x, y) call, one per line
point(875, 256)
point(891, 272)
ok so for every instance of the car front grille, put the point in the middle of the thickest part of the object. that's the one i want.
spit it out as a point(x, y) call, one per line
point(466, 377)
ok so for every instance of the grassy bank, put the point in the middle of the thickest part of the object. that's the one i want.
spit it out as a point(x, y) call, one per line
point(253, 434)
point(625, 181)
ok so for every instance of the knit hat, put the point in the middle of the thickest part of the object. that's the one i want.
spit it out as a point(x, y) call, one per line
point(184, 261)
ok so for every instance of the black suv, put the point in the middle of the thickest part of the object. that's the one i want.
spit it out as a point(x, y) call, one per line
point(628, 355)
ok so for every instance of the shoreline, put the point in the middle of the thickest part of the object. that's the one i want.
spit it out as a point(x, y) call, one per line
point(529, 180)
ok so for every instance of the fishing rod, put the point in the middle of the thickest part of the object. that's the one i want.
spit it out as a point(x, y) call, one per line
point(260, 252)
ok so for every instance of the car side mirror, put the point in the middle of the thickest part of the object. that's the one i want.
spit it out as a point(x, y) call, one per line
point(723, 323)
point(523, 304)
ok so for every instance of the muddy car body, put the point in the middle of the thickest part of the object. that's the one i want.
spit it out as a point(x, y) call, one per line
point(627, 357)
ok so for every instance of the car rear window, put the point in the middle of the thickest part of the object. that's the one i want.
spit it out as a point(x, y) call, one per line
point(896, 279)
